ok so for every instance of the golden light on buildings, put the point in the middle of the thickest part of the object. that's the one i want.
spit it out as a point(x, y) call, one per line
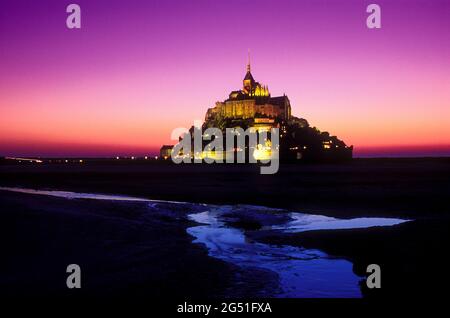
point(263, 152)
point(249, 110)
point(260, 103)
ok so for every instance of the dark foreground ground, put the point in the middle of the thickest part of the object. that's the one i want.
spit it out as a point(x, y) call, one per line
point(382, 187)
point(40, 235)
point(124, 252)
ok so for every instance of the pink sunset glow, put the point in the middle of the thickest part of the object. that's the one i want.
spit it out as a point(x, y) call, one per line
point(135, 71)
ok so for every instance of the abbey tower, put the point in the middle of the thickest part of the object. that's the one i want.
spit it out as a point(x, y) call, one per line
point(253, 101)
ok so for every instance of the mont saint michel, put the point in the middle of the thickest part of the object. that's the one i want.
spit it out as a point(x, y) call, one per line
point(147, 164)
point(253, 107)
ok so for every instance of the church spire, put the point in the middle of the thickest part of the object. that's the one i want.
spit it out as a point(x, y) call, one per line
point(249, 81)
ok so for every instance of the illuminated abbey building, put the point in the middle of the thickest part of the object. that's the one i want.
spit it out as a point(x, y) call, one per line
point(252, 107)
point(253, 101)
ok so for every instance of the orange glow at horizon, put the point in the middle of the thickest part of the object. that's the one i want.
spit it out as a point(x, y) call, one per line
point(122, 83)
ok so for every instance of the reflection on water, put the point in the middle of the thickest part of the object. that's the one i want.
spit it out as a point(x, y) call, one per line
point(307, 222)
point(302, 272)
point(80, 195)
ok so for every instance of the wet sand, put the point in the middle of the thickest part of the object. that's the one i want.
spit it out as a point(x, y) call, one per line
point(156, 257)
point(124, 252)
point(414, 188)
point(412, 256)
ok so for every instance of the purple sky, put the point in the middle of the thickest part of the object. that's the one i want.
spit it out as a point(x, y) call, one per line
point(138, 69)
